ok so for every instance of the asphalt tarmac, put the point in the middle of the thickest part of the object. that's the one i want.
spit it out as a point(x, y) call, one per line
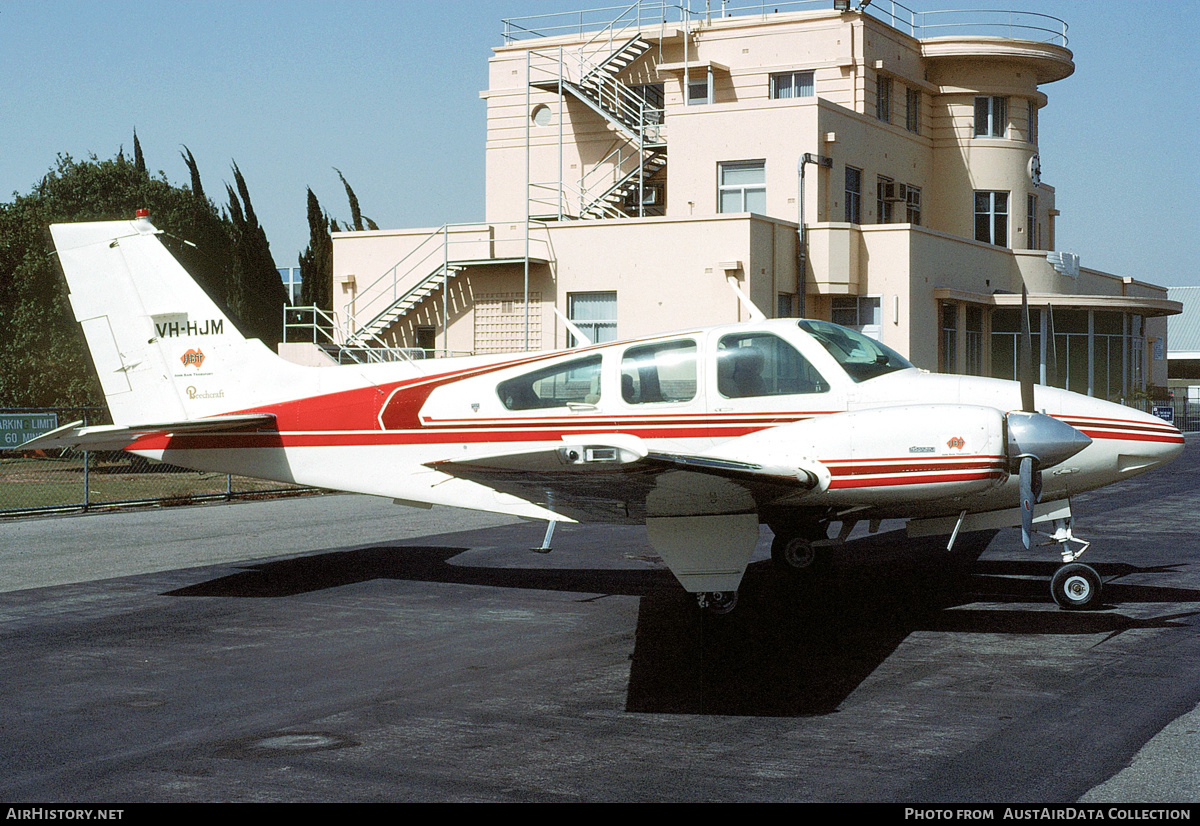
point(340, 648)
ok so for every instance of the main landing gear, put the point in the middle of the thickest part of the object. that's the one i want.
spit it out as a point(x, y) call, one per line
point(1074, 586)
point(717, 602)
point(802, 550)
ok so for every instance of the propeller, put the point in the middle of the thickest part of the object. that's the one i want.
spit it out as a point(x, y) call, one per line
point(1035, 440)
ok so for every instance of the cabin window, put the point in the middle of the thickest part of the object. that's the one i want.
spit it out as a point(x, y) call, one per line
point(576, 382)
point(659, 373)
point(761, 364)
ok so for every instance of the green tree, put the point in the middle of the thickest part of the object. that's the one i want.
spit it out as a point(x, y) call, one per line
point(256, 293)
point(43, 357)
point(316, 262)
point(356, 216)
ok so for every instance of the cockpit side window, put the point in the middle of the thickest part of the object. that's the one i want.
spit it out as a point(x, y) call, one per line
point(576, 382)
point(761, 364)
point(663, 372)
point(861, 357)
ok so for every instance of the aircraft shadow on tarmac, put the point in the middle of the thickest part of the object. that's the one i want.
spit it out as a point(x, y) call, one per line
point(791, 648)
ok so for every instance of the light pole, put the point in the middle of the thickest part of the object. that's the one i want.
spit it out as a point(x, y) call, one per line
point(827, 163)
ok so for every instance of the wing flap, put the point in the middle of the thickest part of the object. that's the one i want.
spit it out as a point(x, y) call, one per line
point(117, 437)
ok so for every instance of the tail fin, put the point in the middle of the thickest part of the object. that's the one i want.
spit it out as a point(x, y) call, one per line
point(163, 350)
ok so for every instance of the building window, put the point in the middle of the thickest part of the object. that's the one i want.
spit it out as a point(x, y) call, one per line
point(991, 218)
point(948, 351)
point(991, 117)
point(792, 85)
point(426, 341)
point(291, 283)
point(540, 115)
point(853, 195)
point(595, 314)
point(913, 204)
point(912, 110)
point(1032, 131)
point(883, 203)
point(699, 92)
point(1031, 223)
point(883, 98)
point(857, 311)
point(785, 305)
point(973, 341)
point(742, 187)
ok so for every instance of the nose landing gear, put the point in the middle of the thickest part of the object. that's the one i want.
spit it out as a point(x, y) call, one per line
point(1074, 586)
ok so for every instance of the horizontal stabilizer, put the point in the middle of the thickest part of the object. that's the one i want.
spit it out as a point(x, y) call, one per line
point(117, 437)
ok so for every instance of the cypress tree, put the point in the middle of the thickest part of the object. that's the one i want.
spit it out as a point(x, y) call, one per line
point(256, 293)
point(316, 262)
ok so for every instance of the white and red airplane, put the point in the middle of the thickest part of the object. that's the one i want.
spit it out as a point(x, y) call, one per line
point(701, 434)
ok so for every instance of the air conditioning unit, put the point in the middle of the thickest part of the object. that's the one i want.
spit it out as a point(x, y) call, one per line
point(894, 192)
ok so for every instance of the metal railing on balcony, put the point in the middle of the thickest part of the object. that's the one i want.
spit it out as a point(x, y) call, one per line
point(1017, 25)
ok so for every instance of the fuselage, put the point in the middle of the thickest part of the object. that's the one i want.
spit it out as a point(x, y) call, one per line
point(885, 434)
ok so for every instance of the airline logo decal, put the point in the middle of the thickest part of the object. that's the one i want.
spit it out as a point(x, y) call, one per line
point(193, 358)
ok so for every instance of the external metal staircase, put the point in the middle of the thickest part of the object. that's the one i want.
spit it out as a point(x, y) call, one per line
point(628, 182)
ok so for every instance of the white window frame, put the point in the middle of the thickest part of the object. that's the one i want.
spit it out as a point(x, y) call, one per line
point(885, 210)
point(1033, 238)
point(997, 216)
point(913, 205)
point(743, 189)
point(912, 110)
point(785, 85)
point(853, 196)
point(991, 116)
point(703, 84)
point(599, 327)
point(883, 98)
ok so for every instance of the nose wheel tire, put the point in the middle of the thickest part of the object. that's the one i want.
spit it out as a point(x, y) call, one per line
point(1076, 587)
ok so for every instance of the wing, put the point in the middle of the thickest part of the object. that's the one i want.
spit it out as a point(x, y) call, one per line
point(117, 437)
point(615, 479)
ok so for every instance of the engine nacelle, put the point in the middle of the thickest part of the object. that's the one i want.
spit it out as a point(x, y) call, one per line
point(889, 454)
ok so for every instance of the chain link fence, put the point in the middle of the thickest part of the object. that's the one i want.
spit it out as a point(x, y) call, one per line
point(49, 480)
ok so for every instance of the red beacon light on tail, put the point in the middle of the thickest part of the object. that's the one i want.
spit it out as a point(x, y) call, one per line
point(141, 220)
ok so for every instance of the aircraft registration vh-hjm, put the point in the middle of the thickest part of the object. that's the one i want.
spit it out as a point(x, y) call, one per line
point(702, 434)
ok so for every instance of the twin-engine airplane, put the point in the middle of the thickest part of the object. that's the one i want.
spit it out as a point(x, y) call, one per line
point(701, 434)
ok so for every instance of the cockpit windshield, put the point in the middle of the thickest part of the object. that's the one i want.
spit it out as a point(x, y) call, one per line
point(861, 357)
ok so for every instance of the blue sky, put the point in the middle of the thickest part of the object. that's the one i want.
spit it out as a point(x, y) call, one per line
point(388, 92)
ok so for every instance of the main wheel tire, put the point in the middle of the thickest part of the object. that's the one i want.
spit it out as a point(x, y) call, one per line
point(1076, 587)
point(720, 603)
point(797, 555)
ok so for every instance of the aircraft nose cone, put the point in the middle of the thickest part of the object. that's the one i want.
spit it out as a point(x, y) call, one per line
point(1045, 437)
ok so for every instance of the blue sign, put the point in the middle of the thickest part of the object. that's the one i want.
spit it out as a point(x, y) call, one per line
point(1166, 412)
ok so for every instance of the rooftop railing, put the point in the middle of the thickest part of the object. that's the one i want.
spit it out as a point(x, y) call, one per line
point(646, 14)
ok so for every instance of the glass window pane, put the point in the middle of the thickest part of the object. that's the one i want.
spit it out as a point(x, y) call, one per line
point(558, 386)
point(760, 364)
point(743, 173)
point(659, 373)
